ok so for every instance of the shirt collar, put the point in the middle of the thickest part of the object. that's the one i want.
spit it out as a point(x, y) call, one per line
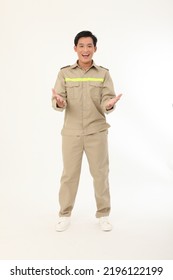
point(75, 65)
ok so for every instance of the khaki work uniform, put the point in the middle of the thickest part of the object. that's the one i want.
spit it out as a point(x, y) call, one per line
point(85, 130)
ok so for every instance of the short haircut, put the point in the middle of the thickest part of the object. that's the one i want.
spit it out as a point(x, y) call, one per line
point(85, 34)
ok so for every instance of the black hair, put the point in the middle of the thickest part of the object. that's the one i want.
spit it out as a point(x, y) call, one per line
point(85, 34)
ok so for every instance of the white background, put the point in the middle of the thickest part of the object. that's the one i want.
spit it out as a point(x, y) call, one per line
point(135, 41)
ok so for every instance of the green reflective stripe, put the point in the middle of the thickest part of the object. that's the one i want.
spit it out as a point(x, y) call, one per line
point(84, 79)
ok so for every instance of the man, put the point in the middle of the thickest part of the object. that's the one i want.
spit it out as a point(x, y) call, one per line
point(85, 91)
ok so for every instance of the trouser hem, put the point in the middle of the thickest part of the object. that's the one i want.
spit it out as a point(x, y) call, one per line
point(102, 215)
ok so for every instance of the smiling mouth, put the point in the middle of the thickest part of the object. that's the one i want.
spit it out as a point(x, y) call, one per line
point(85, 55)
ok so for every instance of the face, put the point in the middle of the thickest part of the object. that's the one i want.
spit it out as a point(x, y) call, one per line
point(85, 50)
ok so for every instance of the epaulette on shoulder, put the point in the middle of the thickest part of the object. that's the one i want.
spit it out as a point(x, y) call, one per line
point(104, 68)
point(65, 66)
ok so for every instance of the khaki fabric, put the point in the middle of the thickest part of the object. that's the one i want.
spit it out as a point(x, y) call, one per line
point(85, 130)
point(86, 94)
point(96, 150)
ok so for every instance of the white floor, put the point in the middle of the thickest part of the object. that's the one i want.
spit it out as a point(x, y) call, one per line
point(142, 219)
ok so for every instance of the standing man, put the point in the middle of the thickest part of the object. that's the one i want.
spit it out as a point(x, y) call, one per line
point(85, 91)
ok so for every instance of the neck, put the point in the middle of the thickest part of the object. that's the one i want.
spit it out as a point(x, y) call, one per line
point(85, 66)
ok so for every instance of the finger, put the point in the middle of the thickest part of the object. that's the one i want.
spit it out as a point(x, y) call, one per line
point(109, 106)
point(59, 99)
point(119, 96)
point(61, 104)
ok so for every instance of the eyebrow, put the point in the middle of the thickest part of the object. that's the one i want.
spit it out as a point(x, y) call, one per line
point(89, 44)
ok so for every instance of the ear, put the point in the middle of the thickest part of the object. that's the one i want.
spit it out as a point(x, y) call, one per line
point(95, 49)
point(75, 48)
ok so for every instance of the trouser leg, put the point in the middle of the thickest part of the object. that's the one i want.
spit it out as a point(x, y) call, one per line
point(72, 151)
point(96, 149)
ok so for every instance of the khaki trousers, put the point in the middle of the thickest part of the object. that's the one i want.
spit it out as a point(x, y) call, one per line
point(95, 147)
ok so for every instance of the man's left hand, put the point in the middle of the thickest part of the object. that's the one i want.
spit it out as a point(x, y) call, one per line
point(112, 102)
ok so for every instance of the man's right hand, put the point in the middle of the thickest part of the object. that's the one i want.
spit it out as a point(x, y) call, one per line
point(59, 100)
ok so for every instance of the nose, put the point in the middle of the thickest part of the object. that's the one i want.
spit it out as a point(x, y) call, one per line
point(85, 48)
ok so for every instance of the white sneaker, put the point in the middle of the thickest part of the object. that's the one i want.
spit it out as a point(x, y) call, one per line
point(105, 224)
point(63, 223)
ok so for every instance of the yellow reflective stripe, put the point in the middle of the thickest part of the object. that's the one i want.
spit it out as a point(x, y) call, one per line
point(84, 79)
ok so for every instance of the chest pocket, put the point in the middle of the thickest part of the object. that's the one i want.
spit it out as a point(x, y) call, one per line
point(72, 89)
point(96, 90)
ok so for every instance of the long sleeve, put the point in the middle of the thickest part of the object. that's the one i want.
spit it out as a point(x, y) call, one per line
point(108, 93)
point(60, 89)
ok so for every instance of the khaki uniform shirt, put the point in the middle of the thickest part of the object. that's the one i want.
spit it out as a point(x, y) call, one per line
point(86, 94)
